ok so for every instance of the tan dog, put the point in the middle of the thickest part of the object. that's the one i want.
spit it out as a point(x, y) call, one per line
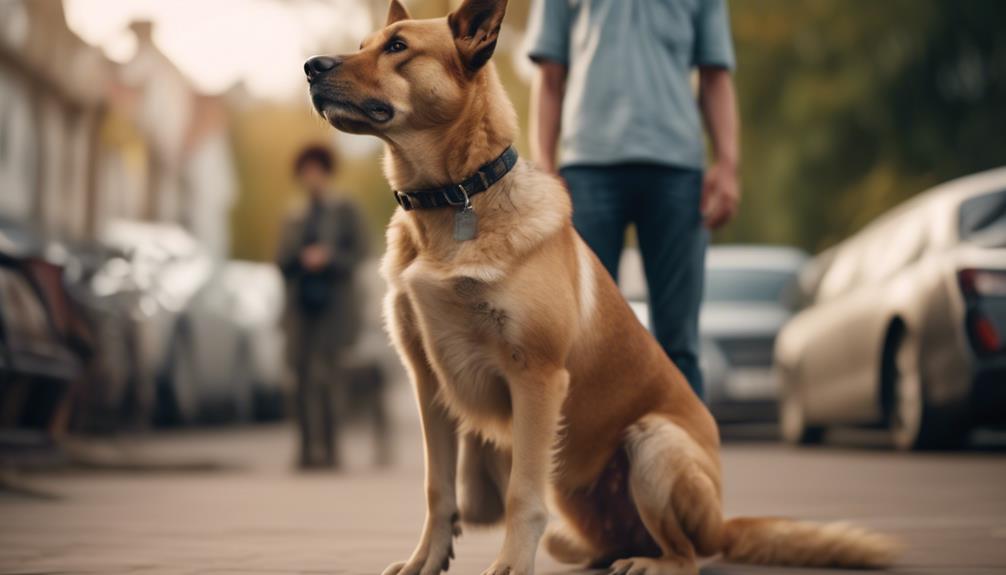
point(531, 373)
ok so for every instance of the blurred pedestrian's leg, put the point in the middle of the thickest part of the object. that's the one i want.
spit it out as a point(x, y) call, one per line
point(599, 213)
point(672, 240)
point(317, 397)
point(304, 411)
point(330, 384)
point(304, 373)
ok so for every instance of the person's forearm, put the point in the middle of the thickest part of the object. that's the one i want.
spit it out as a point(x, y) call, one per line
point(718, 101)
point(348, 248)
point(344, 255)
point(546, 114)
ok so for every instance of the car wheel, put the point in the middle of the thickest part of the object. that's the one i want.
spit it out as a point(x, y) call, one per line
point(914, 423)
point(793, 420)
point(182, 382)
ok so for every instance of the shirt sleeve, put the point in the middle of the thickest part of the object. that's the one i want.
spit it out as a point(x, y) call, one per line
point(713, 44)
point(548, 31)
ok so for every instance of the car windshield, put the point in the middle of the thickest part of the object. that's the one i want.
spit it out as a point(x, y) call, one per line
point(983, 219)
point(749, 285)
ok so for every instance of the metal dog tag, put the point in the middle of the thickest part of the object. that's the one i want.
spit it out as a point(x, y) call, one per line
point(466, 224)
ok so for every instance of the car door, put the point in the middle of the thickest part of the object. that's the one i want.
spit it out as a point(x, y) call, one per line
point(855, 317)
point(832, 368)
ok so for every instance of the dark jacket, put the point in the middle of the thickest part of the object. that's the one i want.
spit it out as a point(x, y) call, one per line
point(325, 304)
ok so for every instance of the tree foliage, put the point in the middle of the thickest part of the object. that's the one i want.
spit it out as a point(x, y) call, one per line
point(850, 107)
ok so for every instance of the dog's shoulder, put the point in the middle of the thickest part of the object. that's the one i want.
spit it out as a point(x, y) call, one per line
point(401, 250)
point(536, 208)
point(545, 201)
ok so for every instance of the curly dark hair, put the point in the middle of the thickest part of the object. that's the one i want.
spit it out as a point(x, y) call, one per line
point(317, 154)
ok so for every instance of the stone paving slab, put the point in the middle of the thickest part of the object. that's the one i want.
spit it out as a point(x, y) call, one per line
point(257, 516)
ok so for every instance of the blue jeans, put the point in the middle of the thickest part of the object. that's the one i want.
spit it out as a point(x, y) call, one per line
point(664, 204)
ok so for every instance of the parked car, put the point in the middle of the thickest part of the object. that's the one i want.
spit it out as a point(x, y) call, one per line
point(206, 334)
point(41, 343)
point(112, 395)
point(907, 324)
point(750, 293)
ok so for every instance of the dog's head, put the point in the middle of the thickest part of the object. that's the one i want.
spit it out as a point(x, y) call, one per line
point(410, 75)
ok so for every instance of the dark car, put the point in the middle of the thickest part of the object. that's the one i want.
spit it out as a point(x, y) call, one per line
point(750, 293)
point(41, 343)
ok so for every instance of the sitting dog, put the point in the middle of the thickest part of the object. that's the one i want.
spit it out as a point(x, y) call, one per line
point(532, 375)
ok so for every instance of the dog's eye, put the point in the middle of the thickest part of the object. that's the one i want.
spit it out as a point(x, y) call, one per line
point(395, 46)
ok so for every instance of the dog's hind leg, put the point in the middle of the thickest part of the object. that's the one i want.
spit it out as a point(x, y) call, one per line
point(482, 477)
point(671, 482)
point(566, 546)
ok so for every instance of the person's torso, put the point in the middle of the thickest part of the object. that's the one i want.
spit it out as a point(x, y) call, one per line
point(325, 223)
point(629, 95)
point(319, 221)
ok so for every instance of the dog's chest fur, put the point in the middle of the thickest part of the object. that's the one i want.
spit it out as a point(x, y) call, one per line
point(467, 336)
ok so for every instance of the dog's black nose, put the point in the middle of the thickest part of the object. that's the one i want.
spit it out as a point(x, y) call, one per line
point(318, 65)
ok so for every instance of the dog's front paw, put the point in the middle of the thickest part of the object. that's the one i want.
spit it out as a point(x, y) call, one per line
point(433, 554)
point(653, 566)
point(419, 568)
point(394, 568)
point(424, 564)
point(503, 568)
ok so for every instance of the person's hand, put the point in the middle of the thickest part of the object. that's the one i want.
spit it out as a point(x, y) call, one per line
point(314, 257)
point(720, 195)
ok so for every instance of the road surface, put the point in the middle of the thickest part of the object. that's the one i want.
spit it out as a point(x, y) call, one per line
point(254, 515)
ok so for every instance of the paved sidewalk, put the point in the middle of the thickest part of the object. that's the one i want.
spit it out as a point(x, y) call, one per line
point(256, 516)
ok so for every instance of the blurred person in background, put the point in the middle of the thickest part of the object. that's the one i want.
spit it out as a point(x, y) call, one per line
point(614, 94)
point(321, 246)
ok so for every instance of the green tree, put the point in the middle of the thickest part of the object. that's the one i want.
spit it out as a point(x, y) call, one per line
point(850, 107)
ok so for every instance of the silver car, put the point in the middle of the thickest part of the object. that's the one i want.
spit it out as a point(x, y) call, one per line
point(907, 324)
point(750, 293)
point(207, 332)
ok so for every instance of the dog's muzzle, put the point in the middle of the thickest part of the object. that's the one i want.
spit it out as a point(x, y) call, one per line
point(330, 97)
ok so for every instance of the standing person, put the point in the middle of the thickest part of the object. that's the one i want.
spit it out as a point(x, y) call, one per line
point(614, 91)
point(320, 249)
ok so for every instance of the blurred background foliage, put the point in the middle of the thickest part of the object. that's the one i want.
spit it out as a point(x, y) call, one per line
point(267, 138)
point(849, 107)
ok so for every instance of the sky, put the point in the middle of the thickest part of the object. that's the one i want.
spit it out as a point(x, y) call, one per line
point(219, 42)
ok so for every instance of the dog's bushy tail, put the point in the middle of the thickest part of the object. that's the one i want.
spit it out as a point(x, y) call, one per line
point(785, 542)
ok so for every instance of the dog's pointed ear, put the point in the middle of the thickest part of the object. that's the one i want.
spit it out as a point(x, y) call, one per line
point(396, 12)
point(476, 27)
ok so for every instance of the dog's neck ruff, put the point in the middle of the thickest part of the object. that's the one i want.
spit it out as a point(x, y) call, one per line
point(459, 195)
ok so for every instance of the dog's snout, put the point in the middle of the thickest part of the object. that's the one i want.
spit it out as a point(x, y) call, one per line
point(318, 65)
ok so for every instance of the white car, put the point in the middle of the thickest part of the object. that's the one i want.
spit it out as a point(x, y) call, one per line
point(906, 325)
point(208, 334)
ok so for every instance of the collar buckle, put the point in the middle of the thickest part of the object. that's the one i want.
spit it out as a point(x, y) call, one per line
point(463, 202)
point(404, 200)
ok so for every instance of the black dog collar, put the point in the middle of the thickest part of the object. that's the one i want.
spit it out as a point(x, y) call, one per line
point(458, 195)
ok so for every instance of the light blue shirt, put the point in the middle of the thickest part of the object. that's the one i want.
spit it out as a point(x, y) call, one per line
point(629, 96)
